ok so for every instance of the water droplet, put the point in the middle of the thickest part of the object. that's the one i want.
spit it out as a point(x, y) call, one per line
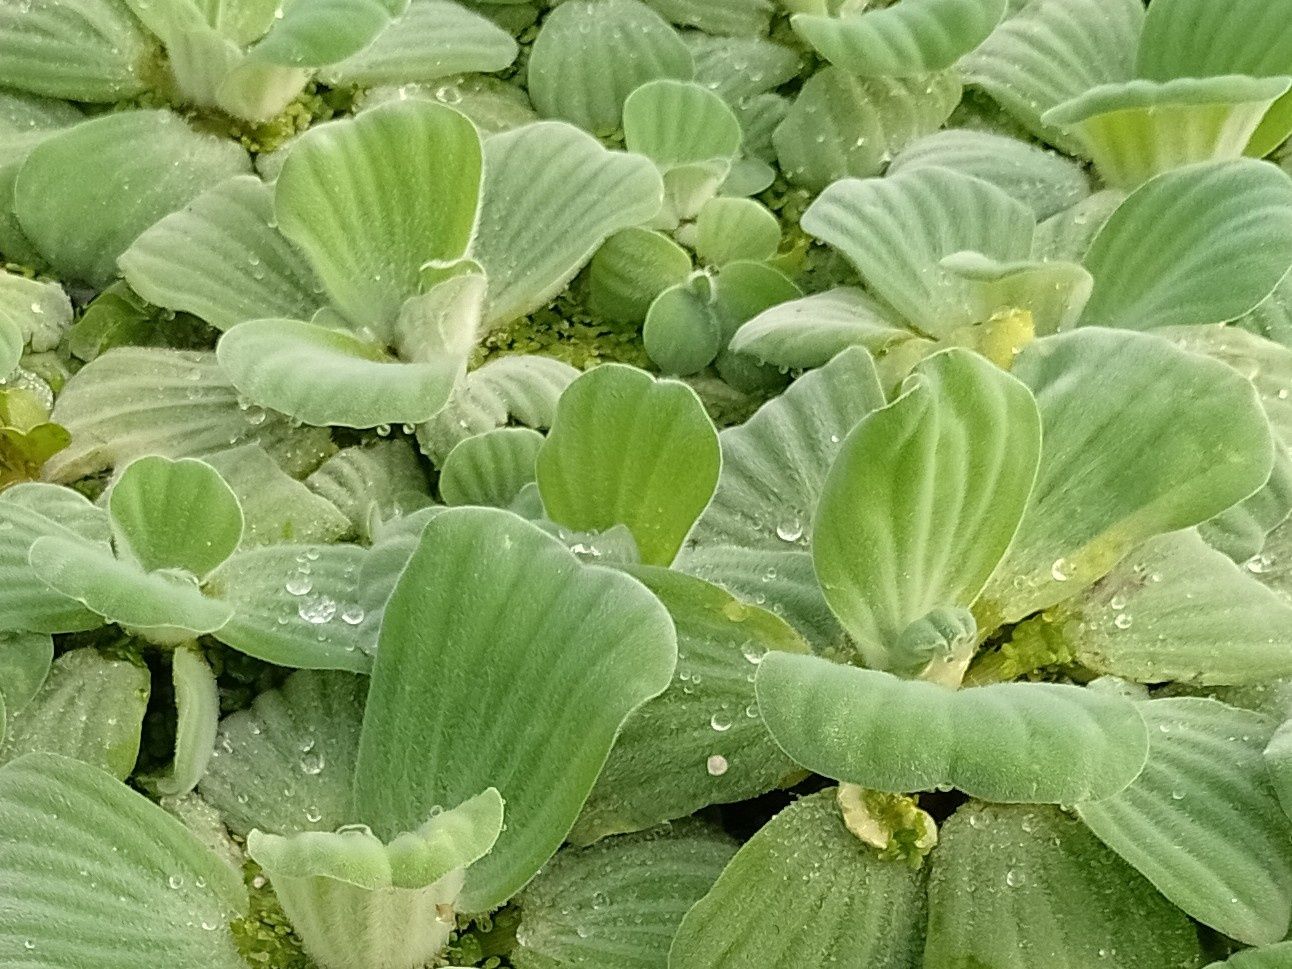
point(312, 763)
point(175, 882)
point(752, 652)
point(790, 531)
point(313, 815)
point(299, 583)
point(1061, 570)
point(1014, 878)
point(353, 615)
point(716, 765)
point(318, 610)
point(599, 900)
point(1177, 795)
point(1122, 621)
point(720, 722)
point(1118, 601)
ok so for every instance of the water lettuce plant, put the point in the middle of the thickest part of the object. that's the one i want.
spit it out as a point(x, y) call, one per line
point(645, 484)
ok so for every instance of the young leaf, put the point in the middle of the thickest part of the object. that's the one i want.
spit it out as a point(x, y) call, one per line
point(682, 334)
point(627, 449)
point(1121, 466)
point(731, 229)
point(571, 647)
point(923, 500)
point(275, 506)
point(1052, 292)
point(700, 742)
point(617, 904)
point(39, 313)
point(73, 841)
point(1024, 742)
point(82, 50)
point(1016, 887)
point(25, 660)
point(97, 167)
point(490, 468)
point(805, 891)
point(197, 699)
point(368, 483)
point(1202, 822)
point(632, 268)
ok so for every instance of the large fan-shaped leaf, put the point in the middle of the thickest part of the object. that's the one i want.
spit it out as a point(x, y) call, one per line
point(373, 199)
point(775, 464)
point(911, 37)
point(627, 449)
point(897, 230)
point(591, 54)
point(1201, 245)
point(222, 259)
point(552, 195)
point(804, 891)
point(617, 904)
point(97, 167)
point(1125, 464)
point(1202, 822)
point(924, 499)
point(73, 847)
point(431, 40)
point(700, 742)
point(676, 122)
point(90, 708)
point(136, 401)
point(1036, 742)
point(1017, 887)
point(537, 661)
point(1176, 609)
point(26, 121)
point(1052, 51)
point(82, 50)
point(286, 763)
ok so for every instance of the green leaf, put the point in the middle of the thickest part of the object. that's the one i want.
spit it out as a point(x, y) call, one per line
point(433, 39)
point(804, 891)
point(1266, 957)
point(911, 37)
point(286, 763)
point(81, 50)
point(1202, 822)
point(576, 651)
point(372, 200)
point(1027, 742)
point(369, 482)
point(700, 742)
point(739, 68)
point(1137, 129)
point(1047, 182)
point(174, 515)
point(552, 195)
point(1123, 465)
point(1188, 38)
point(1176, 609)
point(297, 606)
point(88, 707)
point(25, 660)
point(197, 699)
point(97, 167)
point(683, 334)
point(1067, 235)
point(1205, 244)
point(627, 449)
point(222, 259)
point(524, 389)
point(324, 31)
point(897, 230)
point(591, 54)
point(490, 468)
point(1053, 292)
point(29, 512)
point(775, 464)
point(33, 313)
point(1053, 51)
point(923, 500)
point(275, 506)
point(26, 120)
point(1016, 887)
point(633, 267)
point(617, 904)
point(736, 17)
point(731, 229)
point(136, 401)
point(124, 901)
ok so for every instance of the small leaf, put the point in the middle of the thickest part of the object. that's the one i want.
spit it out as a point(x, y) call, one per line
point(324, 31)
point(737, 17)
point(25, 660)
point(81, 50)
point(591, 54)
point(924, 499)
point(1024, 742)
point(367, 483)
point(911, 37)
point(731, 229)
point(490, 468)
point(739, 68)
point(197, 699)
point(627, 449)
point(677, 122)
point(577, 651)
point(33, 314)
point(1202, 822)
point(682, 334)
point(275, 506)
point(1266, 957)
point(1052, 292)
point(617, 904)
point(1017, 887)
point(847, 909)
point(632, 268)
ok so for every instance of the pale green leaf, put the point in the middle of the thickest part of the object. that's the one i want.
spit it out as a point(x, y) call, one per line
point(25, 660)
point(632, 268)
point(730, 229)
point(222, 259)
point(1205, 244)
point(36, 314)
point(323, 31)
point(1123, 465)
point(1018, 887)
point(701, 741)
point(576, 651)
point(86, 193)
point(493, 105)
point(89, 707)
point(490, 468)
point(1028, 742)
point(82, 50)
point(740, 68)
point(1193, 38)
point(736, 17)
point(367, 483)
point(25, 120)
point(923, 500)
point(1067, 235)
point(1275, 956)
point(1202, 822)
point(197, 701)
point(679, 122)
point(617, 904)
point(683, 334)
point(804, 891)
point(275, 506)
point(552, 195)
point(1053, 292)
point(627, 449)
point(591, 54)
